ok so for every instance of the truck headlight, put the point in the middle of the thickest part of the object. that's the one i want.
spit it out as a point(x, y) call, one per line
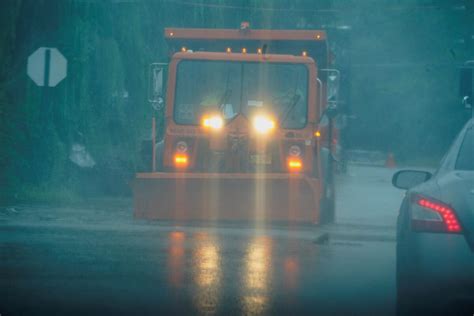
point(213, 122)
point(263, 124)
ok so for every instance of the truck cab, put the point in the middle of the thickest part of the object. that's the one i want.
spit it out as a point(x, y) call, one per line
point(228, 112)
point(241, 129)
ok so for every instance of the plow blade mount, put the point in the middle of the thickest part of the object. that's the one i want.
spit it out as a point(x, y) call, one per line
point(212, 197)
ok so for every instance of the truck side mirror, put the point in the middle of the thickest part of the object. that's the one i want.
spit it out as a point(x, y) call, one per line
point(466, 86)
point(156, 85)
point(333, 77)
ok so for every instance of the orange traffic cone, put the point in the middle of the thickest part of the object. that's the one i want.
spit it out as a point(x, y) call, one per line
point(390, 162)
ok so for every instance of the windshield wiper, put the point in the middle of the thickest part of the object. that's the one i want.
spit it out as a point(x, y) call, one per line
point(296, 98)
point(227, 93)
point(290, 109)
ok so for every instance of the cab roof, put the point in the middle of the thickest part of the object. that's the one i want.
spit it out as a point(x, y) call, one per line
point(278, 58)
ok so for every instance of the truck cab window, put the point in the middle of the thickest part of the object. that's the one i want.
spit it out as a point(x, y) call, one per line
point(204, 86)
point(235, 87)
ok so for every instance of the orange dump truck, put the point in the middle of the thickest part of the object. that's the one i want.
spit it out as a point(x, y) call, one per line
point(241, 138)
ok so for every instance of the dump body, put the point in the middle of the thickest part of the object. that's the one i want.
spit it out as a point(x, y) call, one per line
point(241, 122)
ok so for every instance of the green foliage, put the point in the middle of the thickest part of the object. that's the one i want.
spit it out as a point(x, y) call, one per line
point(47, 194)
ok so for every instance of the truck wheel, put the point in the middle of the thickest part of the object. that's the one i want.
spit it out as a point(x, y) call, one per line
point(160, 148)
point(327, 206)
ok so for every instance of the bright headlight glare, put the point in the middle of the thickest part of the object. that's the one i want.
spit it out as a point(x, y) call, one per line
point(263, 124)
point(214, 122)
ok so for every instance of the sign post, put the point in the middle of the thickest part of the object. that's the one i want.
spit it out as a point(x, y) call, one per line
point(46, 67)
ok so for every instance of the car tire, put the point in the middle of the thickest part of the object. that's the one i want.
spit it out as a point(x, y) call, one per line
point(410, 299)
point(405, 298)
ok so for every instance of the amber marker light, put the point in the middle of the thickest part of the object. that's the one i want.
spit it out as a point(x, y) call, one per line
point(214, 122)
point(294, 164)
point(244, 50)
point(183, 49)
point(180, 160)
point(317, 134)
point(228, 50)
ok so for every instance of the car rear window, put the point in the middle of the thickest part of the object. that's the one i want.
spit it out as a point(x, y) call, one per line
point(465, 159)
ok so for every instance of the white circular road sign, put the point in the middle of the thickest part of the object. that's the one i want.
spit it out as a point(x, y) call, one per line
point(47, 64)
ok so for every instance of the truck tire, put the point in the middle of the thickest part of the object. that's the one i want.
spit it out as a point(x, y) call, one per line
point(146, 155)
point(159, 149)
point(327, 202)
point(327, 206)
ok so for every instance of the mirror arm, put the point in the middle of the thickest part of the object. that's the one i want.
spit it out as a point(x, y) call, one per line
point(320, 92)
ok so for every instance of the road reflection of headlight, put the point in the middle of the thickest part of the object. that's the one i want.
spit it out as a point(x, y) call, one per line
point(257, 275)
point(291, 269)
point(257, 267)
point(176, 256)
point(207, 259)
point(207, 273)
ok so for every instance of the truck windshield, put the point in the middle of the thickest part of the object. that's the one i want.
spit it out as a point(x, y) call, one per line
point(241, 87)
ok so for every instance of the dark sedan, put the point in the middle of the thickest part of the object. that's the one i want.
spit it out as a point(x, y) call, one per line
point(435, 234)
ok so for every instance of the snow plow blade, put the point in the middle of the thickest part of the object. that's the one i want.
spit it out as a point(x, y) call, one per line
point(213, 197)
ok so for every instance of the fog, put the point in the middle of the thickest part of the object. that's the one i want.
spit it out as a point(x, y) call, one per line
point(399, 64)
point(144, 173)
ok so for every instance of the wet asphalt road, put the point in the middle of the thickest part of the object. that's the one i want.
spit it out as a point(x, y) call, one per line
point(96, 259)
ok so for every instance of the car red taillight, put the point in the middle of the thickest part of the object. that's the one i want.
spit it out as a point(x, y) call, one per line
point(429, 215)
